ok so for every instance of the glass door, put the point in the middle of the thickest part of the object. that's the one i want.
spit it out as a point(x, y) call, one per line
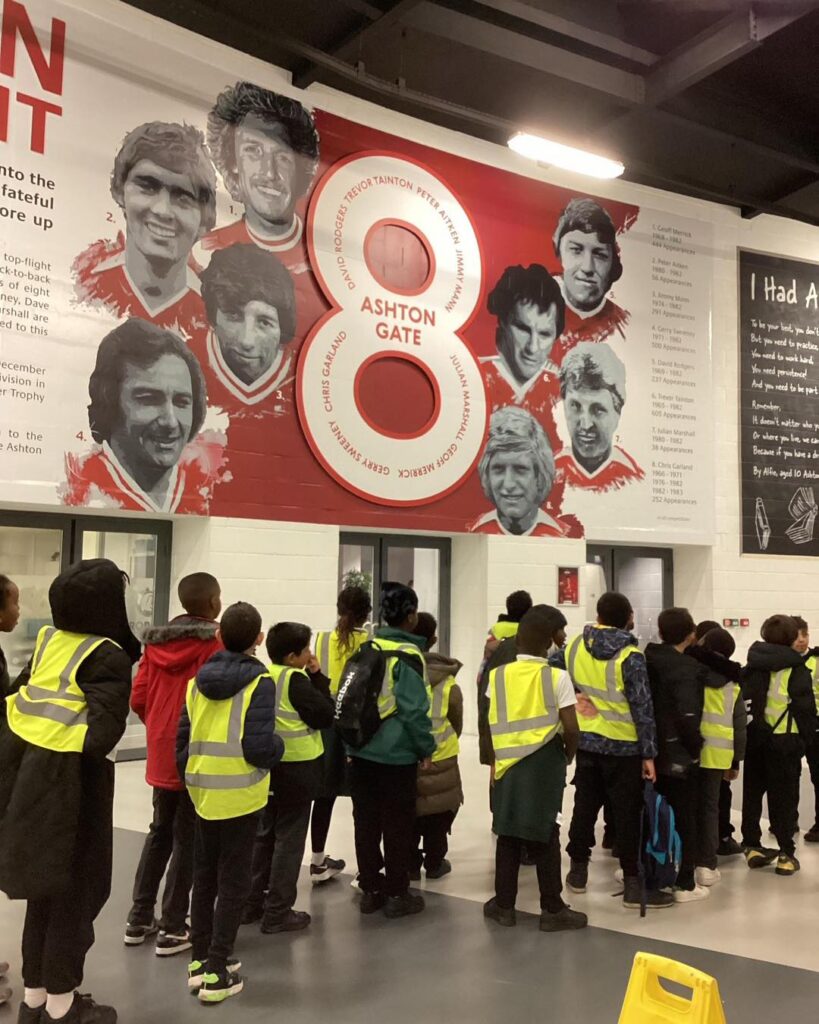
point(423, 563)
point(644, 575)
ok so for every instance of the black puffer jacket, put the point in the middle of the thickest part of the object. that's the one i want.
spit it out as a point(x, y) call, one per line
point(677, 683)
point(222, 676)
point(56, 808)
point(763, 659)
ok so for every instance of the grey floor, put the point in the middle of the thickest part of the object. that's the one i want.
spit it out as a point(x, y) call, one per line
point(448, 964)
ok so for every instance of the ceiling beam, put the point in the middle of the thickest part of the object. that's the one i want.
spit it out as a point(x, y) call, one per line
point(572, 30)
point(362, 7)
point(514, 46)
point(716, 48)
point(783, 195)
point(350, 44)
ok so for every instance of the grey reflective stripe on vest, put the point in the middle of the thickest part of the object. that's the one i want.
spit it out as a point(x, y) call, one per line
point(63, 693)
point(289, 716)
point(323, 652)
point(503, 725)
point(38, 654)
point(232, 747)
point(726, 719)
point(437, 716)
point(611, 693)
point(816, 671)
point(202, 781)
point(54, 712)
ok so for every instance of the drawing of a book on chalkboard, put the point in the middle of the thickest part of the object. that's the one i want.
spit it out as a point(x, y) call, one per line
point(803, 510)
point(763, 527)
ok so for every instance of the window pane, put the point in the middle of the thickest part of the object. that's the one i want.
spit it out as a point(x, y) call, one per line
point(135, 553)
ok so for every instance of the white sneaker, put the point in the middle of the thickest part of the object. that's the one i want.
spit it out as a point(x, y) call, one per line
point(691, 895)
point(708, 876)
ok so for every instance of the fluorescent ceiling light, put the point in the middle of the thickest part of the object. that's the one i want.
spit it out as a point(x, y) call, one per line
point(545, 151)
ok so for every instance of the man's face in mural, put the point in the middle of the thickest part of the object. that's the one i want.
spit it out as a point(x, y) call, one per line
point(162, 212)
point(525, 339)
point(267, 169)
point(513, 482)
point(587, 268)
point(249, 338)
point(592, 419)
point(155, 417)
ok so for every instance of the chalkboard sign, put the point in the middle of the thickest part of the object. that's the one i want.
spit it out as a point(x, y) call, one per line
point(779, 404)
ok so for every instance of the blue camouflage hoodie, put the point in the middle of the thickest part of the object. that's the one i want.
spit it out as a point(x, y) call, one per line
point(605, 643)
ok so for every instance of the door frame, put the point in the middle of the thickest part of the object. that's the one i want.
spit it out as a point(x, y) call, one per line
point(608, 554)
point(443, 545)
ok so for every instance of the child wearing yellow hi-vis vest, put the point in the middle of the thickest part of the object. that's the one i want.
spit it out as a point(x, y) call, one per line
point(534, 737)
point(440, 794)
point(303, 708)
point(333, 649)
point(225, 749)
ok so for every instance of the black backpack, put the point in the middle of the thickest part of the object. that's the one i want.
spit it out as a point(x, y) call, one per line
point(357, 719)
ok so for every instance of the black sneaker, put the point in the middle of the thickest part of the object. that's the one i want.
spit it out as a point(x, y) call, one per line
point(505, 918)
point(564, 920)
point(293, 921)
point(84, 1011)
point(404, 906)
point(252, 913)
point(731, 848)
point(444, 868)
point(197, 969)
point(171, 943)
point(136, 934)
point(760, 857)
point(371, 902)
point(216, 988)
point(320, 873)
point(655, 898)
point(812, 835)
point(578, 877)
point(27, 1015)
point(787, 865)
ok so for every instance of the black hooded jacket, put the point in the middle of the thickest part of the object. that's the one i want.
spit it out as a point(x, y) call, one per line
point(222, 676)
point(763, 659)
point(56, 808)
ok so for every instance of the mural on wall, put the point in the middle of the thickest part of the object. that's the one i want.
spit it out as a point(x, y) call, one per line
point(779, 391)
point(268, 311)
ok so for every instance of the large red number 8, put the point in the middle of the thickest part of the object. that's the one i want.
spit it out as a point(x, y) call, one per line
point(371, 321)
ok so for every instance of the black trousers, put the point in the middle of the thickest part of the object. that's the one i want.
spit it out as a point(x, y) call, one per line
point(708, 831)
point(726, 829)
point(320, 822)
point(683, 796)
point(508, 853)
point(813, 766)
point(277, 855)
point(383, 809)
point(169, 844)
point(432, 839)
point(223, 854)
point(773, 768)
point(601, 778)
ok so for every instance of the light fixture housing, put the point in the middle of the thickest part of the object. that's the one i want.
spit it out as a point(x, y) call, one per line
point(546, 151)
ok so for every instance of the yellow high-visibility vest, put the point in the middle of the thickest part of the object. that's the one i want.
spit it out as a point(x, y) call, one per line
point(332, 657)
point(523, 711)
point(446, 740)
point(717, 726)
point(603, 683)
point(777, 713)
point(503, 630)
point(50, 711)
point(221, 783)
point(386, 698)
point(812, 665)
point(301, 743)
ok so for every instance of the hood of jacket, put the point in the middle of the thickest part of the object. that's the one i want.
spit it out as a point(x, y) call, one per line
point(730, 670)
point(772, 657)
point(226, 673)
point(606, 642)
point(89, 597)
point(440, 667)
point(177, 647)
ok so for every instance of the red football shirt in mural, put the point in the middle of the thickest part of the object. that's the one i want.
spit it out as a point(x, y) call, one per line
point(617, 471)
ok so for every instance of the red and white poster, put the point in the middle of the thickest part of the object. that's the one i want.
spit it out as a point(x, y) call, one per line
point(243, 305)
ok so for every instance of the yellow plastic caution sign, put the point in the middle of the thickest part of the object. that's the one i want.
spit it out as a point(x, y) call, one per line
point(647, 1002)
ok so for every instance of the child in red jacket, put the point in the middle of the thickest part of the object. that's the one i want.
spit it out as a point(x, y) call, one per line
point(173, 654)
